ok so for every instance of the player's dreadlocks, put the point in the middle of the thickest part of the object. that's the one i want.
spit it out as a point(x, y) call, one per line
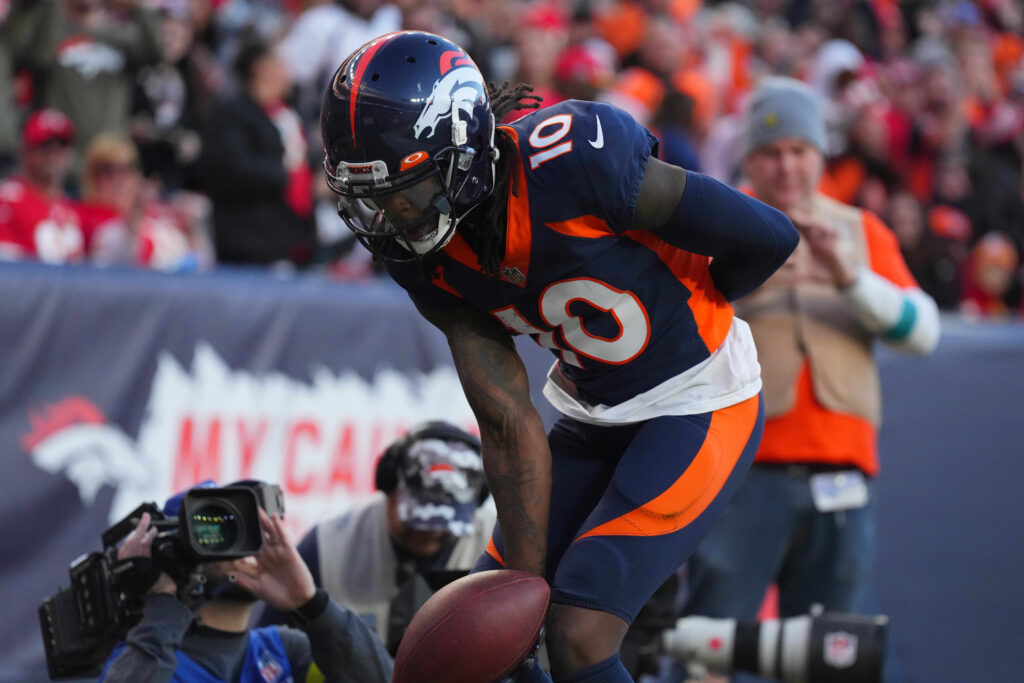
point(507, 98)
point(484, 230)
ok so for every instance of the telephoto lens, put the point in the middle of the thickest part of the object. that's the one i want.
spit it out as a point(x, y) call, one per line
point(826, 647)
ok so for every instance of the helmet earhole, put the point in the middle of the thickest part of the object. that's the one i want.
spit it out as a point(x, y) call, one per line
point(411, 59)
point(375, 77)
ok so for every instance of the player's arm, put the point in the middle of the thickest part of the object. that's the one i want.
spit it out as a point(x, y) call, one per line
point(748, 239)
point(517, 460)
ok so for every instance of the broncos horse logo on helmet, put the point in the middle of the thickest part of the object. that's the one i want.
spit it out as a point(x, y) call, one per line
point(453, 95)
point(409, 135)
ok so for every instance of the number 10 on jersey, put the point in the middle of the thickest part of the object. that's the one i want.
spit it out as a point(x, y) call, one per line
point(623, 306)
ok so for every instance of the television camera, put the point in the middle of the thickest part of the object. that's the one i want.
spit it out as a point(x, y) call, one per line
point(82, 621)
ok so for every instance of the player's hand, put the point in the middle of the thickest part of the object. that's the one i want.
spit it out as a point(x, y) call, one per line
point(827, 247)
point(277, 575)
point(140, 544)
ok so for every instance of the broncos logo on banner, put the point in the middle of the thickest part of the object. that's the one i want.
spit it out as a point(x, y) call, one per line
point(456, 91)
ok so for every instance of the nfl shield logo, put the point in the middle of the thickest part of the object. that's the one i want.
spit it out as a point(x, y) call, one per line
point(513, 275)
point(270, 669)
point(840, 649)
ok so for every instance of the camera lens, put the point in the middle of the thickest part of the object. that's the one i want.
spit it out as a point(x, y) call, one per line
point(216, 527)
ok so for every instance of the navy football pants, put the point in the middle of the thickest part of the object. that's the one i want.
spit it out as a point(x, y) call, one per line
point(630, 503)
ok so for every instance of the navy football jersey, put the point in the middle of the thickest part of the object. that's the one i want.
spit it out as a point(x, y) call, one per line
point(623, 311)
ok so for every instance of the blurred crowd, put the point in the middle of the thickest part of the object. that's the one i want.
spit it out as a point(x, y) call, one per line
point(180, 134)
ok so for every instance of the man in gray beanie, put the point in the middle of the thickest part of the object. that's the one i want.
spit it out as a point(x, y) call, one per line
point(782, 108)
point(803, 518)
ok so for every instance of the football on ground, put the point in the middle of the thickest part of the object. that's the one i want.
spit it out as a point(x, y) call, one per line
point(474, 630)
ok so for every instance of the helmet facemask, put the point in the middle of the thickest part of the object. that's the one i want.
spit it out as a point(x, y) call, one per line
point(386, 209)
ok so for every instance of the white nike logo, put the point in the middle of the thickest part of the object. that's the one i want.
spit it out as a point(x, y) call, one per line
point(599, 142)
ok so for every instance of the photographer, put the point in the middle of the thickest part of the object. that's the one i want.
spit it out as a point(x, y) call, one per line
point(171, 643)
point(430, 521)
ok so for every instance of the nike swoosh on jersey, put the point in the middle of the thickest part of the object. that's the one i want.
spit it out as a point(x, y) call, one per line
point(599, 142)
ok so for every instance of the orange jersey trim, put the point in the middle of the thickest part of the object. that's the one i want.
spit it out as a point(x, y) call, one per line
point(691, 493)
point(710, 310)
point(809, 433)
point(518, 235)
point(518, 230)
point(438, 281)
point(589, 227)
point(458, 248)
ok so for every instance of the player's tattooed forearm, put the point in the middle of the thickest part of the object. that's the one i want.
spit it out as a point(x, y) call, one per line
point(516, 487)
point(497, 366)
point(490, 370)
point(515, 447)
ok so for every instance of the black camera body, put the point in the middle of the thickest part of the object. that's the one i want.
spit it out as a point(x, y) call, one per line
point(82, 622)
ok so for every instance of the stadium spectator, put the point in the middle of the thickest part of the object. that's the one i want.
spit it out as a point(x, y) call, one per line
point(489, 30)
point(995, 113)
point(663, 48)
point(124, 220)
point(543, 34)
point(622, 24)
point(637, 91)
point(8, 110)
point(992, 282)
point(255, 167)
point(38, 220)
point(934, 245)
point(170, 643)
point(587, 64)
point(927, 97)
point(429, 522)
point(803, 517)
point(940, 129)
point(673, 124)
point(83, 56)
point(169, 100)
point(323, 35)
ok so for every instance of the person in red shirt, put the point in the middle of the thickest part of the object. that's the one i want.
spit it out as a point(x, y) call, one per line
point(38, 221)
point(124, 219)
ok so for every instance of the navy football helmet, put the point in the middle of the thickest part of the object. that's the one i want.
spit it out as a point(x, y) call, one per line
point(409, 136)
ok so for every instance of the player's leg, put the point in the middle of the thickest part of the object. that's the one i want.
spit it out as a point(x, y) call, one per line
point(672, 480)
point(746, 548)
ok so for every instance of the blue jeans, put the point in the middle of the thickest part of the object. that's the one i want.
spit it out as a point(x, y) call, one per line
point(771, 532)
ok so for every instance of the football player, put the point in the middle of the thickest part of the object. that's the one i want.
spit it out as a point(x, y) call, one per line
point(565, 226)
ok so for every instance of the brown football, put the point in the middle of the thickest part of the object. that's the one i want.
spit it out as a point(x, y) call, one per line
point(474, 630)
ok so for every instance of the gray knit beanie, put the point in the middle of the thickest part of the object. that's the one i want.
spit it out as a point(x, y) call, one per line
point(782, 108)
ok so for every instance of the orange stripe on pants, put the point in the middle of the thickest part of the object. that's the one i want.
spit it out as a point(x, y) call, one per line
point(694, 490)
point(492, 550)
